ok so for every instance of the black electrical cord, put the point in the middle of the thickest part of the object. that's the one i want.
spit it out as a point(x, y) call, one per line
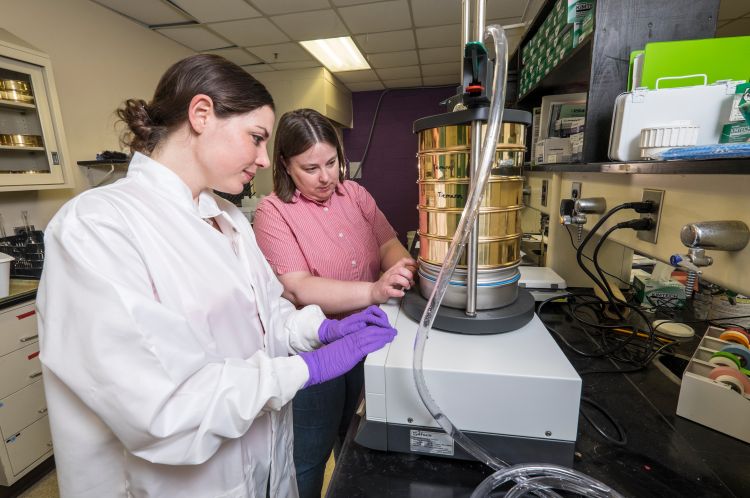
point(572, 243)
point(637, 354)
point(606, 350)
point(622, 438)
point(636, 224)
point(639, 207)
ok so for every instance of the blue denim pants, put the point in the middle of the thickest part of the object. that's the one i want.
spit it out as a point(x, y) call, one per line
point(321, 417)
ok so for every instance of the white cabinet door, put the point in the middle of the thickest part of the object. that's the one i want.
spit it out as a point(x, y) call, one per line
point(29, 445)
point(18, 328)
point(19, 369)
point(22, 408)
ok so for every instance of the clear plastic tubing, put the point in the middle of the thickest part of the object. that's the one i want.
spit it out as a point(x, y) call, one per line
point(538, 479)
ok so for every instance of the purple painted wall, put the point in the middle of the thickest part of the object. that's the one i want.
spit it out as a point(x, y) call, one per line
point(390, 170)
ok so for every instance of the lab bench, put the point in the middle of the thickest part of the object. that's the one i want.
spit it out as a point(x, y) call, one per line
point(665, 456)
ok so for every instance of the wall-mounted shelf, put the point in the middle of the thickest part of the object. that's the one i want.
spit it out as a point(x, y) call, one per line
point(571, 75)
point(97, 179)
point(19, 148)
point(599, 66)
point(11, 104)
point(104, 162)
point(706, 167)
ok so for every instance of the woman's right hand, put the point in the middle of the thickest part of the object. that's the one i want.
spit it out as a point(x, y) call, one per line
point(394, 282)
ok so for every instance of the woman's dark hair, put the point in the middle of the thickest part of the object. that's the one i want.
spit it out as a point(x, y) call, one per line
point(299, 130)
point(232, 90)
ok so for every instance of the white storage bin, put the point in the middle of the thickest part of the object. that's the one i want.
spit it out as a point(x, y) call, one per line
point(710, 403)
point(5, 261)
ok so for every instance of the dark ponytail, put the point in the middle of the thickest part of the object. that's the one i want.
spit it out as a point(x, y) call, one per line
point(232, 90)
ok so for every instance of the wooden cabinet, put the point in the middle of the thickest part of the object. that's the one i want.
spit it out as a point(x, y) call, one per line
point(33, 152)
point(24, 427)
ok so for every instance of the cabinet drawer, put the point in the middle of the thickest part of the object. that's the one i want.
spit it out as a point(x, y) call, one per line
point(22, 408)
point(19, 369)
point(17, 328)
point(29, 445)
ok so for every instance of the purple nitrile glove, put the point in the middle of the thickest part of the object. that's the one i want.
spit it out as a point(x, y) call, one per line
point(338, 357)
point(333, 330)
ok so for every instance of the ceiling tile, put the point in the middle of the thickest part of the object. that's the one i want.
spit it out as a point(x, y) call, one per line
point(250, 32)
point(357, 76)
point(284, 52)
point(738, 27)
point(285, 66)
point(394, 73)
point(344, 3)
point(390, 41)
point(258, 68)
point(732, 9)
point(217, 10)
point(403, 83)
point(374, 17)
point(365, 86)
point(146, 11)
point(436, 12)
point(441, 80)
point(436, 55)
point(236, 55)
point(393, 59)
point(439, 36)
point(273, 7)
point(196, 37)
point(312, 25)
point(445, 68)
point(497, 9)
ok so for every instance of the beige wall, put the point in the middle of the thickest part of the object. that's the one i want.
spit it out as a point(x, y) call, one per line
point(315, 88)
point(99, 58)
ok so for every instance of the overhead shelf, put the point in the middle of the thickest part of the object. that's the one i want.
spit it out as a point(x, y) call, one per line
point(706, 167)
point(22, 149)
point(570, 75)
point(12, 104)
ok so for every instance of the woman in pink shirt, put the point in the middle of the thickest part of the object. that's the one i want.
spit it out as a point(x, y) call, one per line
point(328, 243)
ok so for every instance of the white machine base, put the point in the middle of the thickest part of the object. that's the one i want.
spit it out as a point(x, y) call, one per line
point(515, 393)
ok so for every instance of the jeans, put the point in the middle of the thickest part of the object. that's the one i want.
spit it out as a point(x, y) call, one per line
point(321, 417)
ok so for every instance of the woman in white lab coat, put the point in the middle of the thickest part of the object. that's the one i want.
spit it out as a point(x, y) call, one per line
point(169, 355)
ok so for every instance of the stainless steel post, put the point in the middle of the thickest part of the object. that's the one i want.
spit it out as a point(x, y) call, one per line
point(476, 141)
point(465, 33)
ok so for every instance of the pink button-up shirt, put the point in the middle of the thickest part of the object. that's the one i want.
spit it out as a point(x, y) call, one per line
point(338, 239)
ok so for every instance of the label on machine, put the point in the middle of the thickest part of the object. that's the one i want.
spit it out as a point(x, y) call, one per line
point(436, 443)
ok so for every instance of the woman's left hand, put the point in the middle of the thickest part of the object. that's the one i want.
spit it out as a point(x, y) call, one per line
point(395, 281)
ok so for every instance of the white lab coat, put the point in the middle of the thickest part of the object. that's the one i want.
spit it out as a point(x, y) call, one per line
point(166, 346)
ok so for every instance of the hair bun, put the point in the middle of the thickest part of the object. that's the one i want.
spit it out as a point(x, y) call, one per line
point(142, 132)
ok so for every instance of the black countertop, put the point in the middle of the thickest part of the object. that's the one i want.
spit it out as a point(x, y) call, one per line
point(666, 455)
point(21, 290)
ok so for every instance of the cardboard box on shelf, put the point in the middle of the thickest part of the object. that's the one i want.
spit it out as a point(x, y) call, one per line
point(552, 150)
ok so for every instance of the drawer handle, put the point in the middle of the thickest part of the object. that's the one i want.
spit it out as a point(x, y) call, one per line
point(35, 375)
point(26, 315)
point(42, 411)
point(29, 338)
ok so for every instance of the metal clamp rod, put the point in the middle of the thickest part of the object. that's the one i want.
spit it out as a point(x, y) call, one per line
point(728, 235)
point(473, 247)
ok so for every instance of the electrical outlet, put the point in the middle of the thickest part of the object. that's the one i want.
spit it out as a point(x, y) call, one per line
point(657, 197)
point(575, 191)
point(545, 187)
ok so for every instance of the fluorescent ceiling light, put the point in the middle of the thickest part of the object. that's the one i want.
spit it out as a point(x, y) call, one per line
point(337, 54)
